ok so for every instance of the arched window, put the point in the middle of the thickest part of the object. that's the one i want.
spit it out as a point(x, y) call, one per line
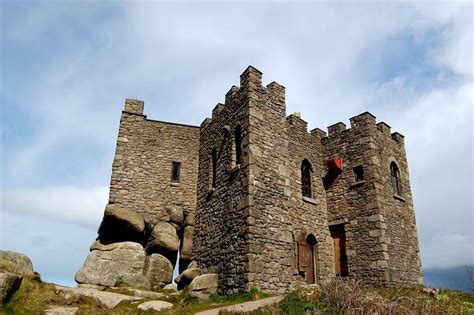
point(306, 171)
point(213, 167)
point(395, 178)
point(238, 144)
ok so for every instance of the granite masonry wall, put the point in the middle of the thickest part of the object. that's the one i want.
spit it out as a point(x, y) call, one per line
point(270, 240)
point(404, 265)
point(221, 230)
point(308, 215)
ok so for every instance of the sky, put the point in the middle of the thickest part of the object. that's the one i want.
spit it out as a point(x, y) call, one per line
point(67, 66)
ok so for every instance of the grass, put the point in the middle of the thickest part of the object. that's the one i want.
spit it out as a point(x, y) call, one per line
point(348, 297)
point(35, 296)
point(184, 304)
point(336, 297)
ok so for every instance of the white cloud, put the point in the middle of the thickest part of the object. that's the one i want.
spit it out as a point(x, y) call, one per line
point(448, 250)
point(72, 204)
point(438, 126)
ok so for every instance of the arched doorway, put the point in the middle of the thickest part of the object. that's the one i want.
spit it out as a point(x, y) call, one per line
point(307, 257)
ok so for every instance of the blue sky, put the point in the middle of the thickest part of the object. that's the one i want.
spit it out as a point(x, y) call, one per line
point(67, 66)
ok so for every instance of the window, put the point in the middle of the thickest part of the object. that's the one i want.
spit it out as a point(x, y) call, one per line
point(175, 172)
point(306, 171)
point(213, 167)
point(358, 173)
point(238, 145)
point(395, 178)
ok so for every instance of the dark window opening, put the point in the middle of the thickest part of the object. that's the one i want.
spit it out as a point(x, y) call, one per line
point(358, 173)
point(175, 172)
point(395, 178)
point(306, 171)
point(338, 235)
point(238, 145)
point(213, 167)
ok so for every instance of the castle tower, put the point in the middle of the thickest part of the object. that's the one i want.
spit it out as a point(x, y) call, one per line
point(251, 212)
point(371, 216)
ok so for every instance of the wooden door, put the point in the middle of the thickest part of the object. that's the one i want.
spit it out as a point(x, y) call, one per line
point(337, 254)
point(306, 257)
point(338, 235)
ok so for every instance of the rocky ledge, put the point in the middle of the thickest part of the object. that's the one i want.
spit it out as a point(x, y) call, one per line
point(134, 251)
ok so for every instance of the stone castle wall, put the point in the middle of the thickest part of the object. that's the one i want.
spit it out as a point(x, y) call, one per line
point(141, 171)
point(220, 239)
point(404, 265)
point(366, 207)
point(308, 215)
point(270, 240)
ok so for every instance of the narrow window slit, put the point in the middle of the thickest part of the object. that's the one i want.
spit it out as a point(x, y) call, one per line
point(358, 173)
point(175, 172)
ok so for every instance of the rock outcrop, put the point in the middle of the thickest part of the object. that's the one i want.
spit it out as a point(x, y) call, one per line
point(13, 267)
point(203, 286)
point(16, 262)
point(186, 248)
point(164, 240)
point(109, 299)
point(176, 214)
point(187, 275)
point(139, 251)
point(120, 225)
point(9, 283)
point(155, 306)
point(159, 270)
point(114, 264)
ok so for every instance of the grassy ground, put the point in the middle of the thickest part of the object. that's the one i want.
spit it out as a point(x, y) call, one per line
point(347, 297)
point(337, 297)
point(185, 305)
point(35, 296)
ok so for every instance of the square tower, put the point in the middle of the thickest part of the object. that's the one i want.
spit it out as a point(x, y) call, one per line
point(253, 223)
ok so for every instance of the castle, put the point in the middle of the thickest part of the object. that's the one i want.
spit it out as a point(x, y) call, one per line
point(275, 207)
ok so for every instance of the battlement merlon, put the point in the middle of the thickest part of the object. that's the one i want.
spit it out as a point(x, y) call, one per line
point(276, 91)
point(383, 127)
point(206, 122)
point(251, 79)
point(336, 129)
point(134, 106)
point(398, 137)
point(362, 120)
point(296, 121)
point(217, 109)
point(318, 133)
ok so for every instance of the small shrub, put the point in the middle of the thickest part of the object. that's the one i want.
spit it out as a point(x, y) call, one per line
point(296, 303)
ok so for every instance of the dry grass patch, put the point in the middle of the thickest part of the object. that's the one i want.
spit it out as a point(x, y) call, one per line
point(349, 297)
